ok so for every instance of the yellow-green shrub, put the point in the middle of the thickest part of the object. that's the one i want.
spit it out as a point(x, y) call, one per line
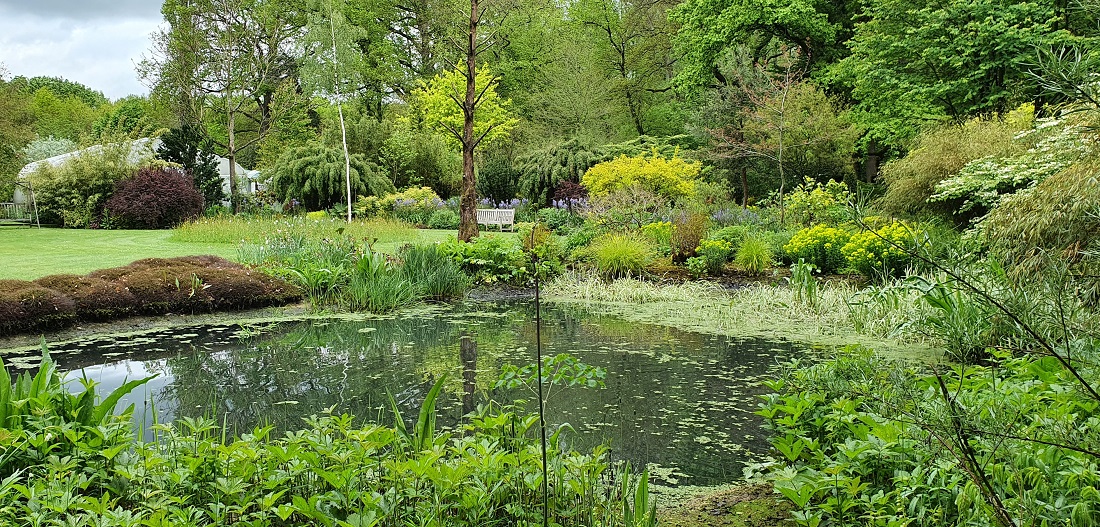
point(811, 202)
point(819, 245)
point(715, 254)
point(671, 178)
point(880, 251)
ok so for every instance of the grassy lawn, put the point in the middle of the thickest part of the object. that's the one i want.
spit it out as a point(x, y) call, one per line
point(29, 253)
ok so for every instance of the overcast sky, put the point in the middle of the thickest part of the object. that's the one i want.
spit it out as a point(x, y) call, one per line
point(94, 42)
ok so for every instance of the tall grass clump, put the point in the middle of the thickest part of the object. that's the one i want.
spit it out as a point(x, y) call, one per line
point(619, 255)
point(436, 275)
point(754, 256)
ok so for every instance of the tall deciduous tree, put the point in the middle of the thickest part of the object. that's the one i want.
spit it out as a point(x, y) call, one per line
point(223, 61)
point(915, 62)
point(15, 132)
point(464, 104)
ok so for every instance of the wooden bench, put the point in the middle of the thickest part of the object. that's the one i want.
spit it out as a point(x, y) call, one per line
point(498, 217)
point(15, 213)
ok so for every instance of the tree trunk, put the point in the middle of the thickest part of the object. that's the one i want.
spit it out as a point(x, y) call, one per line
point(231, 154)
point(467, 226)
point(744, 187)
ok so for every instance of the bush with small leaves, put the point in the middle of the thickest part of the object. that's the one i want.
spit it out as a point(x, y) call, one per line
point(443, 219)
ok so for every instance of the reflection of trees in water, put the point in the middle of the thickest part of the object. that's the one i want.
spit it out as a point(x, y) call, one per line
point(278, 378)
point(670, 395)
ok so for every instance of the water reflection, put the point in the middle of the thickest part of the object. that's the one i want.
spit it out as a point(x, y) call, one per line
point(681, 400)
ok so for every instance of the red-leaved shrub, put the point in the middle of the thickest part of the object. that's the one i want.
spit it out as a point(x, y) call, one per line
point(154, 198)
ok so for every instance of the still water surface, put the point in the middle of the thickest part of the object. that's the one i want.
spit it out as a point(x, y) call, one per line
point(682, 401)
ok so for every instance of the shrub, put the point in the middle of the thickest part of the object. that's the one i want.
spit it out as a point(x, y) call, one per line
point(715, 254)
point(669, 178)
point(317, 215)
point(620, 255)
point(242, 288)
point(881, 252)
point(754, 256)
point(982, 183)
point(660, 233)
point(443, 219)
point(733, 235)
point(315, 175)
point(490, 259)
point(557, 219)
point(95, 299)
point(687, 231)
point(187, 147)
point(942, 152)
point(26, 306)
point(627, 208)
point(496, 181)
point(777, 242)
point(811, 203)
point(47, 147)
point(414, 205)
point(167, 290)
point(819, 246)
point(74, 194)
point(154, 198)
point(579, 238)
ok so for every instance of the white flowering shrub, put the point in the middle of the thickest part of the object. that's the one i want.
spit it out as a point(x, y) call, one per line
point(984, 182)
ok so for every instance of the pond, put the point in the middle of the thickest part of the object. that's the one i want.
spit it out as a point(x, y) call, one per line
point(679, 400)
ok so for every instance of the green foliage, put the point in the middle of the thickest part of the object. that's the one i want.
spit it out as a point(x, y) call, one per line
point(715, 254)
point(905, 68)
point(541, 171)
point(74, 194)
point(711, 30)
point(70, 460)
point(558, 219)
point(443, 219)
point(660, 233)
point(970, 437)
point(671, 178)
point(61, 116)
point(812, 203)
point(438, 100)
point(942, 152)
point(754, 256)
point(315, 175)
point(1055, 219)
point(883, 252)
point(132, 117)
point(62, 88)
point(804, 284)
point(617, 255)
point(187, 147)
point(497, 180)
point(820, 246)
point(415, 205)
point(490, 259)
point(982, 183)
point(434, 272)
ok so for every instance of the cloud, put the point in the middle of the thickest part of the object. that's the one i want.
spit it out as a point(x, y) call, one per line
point(82, 9)
point(99, 52)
